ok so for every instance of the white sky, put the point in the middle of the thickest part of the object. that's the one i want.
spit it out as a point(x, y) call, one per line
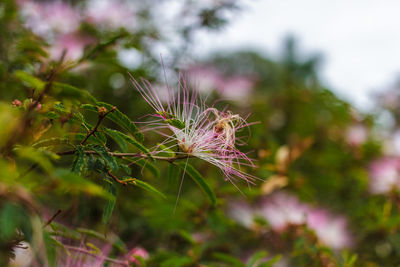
point(359, 39)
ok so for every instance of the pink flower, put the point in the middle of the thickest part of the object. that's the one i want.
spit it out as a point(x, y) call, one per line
point(384, 175)
point(282, 210)
point(111, 14)
point(73, 44)
point(242, 213)
point(47, 18)
point(356, 135)
point(197, 130)
point(137, 252)
point(237, 88)
point(205, 79)
point(331, 230)
point(208, 79)
point(16, 103)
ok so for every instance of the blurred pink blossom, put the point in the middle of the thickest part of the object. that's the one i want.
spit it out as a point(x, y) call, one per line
point(208, 79)
point(391, 143)
point(49, 18)
point(331, 230)
point(137, 252)
point(16, 103)
point(110, 14)
point(282, 210)
point(356, 134)
point(384, 175)
point(242, 213)
point(237, 88)
point(73, 44)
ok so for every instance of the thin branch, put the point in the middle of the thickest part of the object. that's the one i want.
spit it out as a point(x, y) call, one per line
point(84, 251)
point(52, 218)
point(124, 182)
point(129, 155)
point(102, 114)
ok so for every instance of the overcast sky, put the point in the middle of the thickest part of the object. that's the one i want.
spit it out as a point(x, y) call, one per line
point(359, 39)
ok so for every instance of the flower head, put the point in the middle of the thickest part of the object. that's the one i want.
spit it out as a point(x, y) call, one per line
point(197, 130)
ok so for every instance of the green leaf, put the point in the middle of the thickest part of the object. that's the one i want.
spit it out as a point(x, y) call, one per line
point(109, 207)
point(255, 258)
point(30, 80)
point(176, 123)
point(271, 262)
point(51, 142)
point(39, 156)
point(137, 144)
point(79, 160)
point(51, 248)
point(99, 139)
point(235, 262)
point(118, 244)
point(13, 218)
point(173, 174)
point(118, 117)
point(115, 135)
point(66, 90)
point(125, 167)
point(52, 115)
point(198, 178)
point(103, 153)
point(121, 139)
point(96, 164)
point(177, 261)
point(74, 183)
point(165, 151)
point(147, 165)
point(147, 187)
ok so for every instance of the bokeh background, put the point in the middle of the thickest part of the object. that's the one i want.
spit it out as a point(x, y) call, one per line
point(317, 79)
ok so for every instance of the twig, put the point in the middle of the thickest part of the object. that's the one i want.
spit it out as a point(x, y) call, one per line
point(132, 155)
point(124, 182)
point(52, 218)
point(102, 114)
point(84, 251)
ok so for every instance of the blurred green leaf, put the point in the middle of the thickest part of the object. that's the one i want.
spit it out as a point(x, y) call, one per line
point(51, 142)
point(177, 261)
point(38, 156)
point(109, 207)
point(255, 258)
point(73, 183)
point(62, 90)
point(14, 218)
point(145, 163)
point(199, 179)
point(173, 174)
point(29, 80)
point(235, 262)
point(147, 187)
point(51, 248)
